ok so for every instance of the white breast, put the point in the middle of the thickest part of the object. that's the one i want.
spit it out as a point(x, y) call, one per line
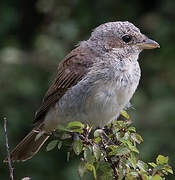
point(108, 99)
point(98, 98)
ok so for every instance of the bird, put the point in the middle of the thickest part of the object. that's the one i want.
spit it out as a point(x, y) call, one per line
point(94, 82)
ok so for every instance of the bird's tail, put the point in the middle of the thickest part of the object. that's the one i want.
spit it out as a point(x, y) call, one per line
point(28, 147)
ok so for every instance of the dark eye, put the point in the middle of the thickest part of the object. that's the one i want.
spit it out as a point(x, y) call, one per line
point(126, 38)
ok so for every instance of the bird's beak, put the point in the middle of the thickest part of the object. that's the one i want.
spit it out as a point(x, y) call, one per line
point(148, 44)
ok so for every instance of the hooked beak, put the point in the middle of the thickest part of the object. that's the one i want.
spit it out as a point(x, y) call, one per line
point(148, 44)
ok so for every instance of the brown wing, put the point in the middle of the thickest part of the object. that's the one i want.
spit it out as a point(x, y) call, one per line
point(70, 71)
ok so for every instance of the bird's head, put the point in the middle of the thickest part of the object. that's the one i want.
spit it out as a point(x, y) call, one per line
point(122, 37)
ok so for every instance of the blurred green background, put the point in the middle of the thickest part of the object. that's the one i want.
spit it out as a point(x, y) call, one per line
point(35, 35)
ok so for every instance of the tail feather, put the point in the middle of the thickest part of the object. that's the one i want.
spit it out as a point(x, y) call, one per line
point(28, 147)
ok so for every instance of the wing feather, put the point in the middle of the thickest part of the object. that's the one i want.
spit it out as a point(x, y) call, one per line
point(70, 71)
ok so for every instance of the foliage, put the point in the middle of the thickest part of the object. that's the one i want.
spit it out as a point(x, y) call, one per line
point(35, 35)
point(111, 152)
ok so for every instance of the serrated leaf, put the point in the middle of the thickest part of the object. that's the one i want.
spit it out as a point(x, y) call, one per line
point(161, 159)
point(51, 145)
point(120, 150)
point(60, 144)
point(97, 152)
point(78, 147)
point(75, 124)
point(125, 114)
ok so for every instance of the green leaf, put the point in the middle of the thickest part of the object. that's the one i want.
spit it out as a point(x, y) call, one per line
point(60, 144)
point(131, 176)
point(120, 150)
point(97, 140)
point(119, 124)
point(161, 159)
point(107, 176)
point(157, 169)
point(152, 164)
point(121, 172)
point(51, 145)
point(61, 128)
point(88, 154)
point(98, 133)
point(125, 114)
point(97, 152)
point(131, 147)
point(112, 147)
point(132, 129)
point(139, 138)
point(91, 167)
point(144, 176)
point(156, 177)
point(75, 124)
point(78, 147)
point(132, 159)
point(136, 137)
point(77, 130)
point(142, 165)
point(104, 167)
point(169, 169)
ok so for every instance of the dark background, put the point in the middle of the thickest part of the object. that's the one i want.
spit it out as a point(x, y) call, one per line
point(36, 35)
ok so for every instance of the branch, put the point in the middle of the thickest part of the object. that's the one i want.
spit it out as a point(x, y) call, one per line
point(7, 149)
point(108, 159)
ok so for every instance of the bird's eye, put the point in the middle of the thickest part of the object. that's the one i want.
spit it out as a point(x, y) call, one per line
point(126, 38)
